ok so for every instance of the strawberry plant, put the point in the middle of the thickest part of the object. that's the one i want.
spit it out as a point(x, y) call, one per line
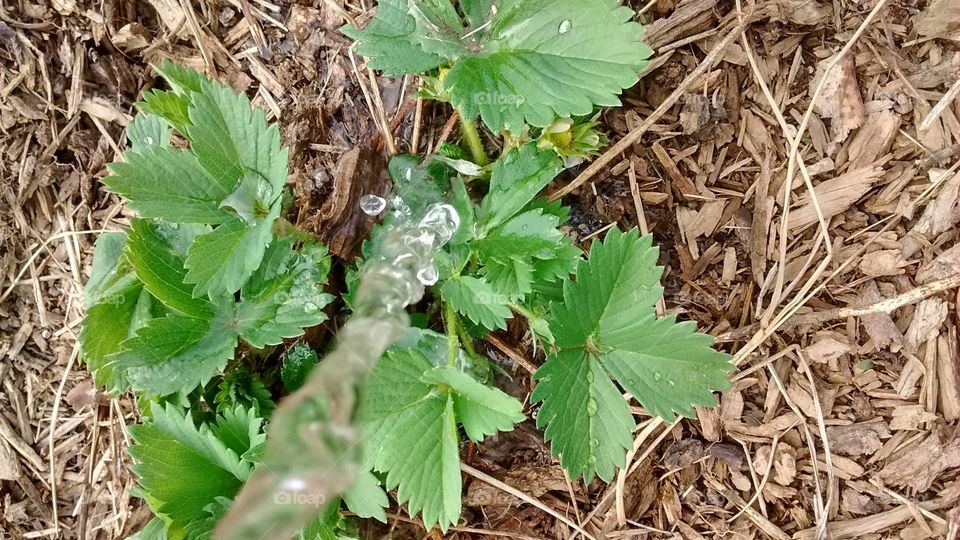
point(210, 264)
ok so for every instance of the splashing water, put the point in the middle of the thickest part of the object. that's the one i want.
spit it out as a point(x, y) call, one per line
point(313, 449)
point(372, 205)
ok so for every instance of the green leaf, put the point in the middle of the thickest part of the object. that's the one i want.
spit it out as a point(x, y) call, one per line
point(148, 129)
point(221, 261)
point(464, 206)
point(183, 468)
point(533, 61)
point(588, 423)
point(606, 323)
point(478, 12)
point(516, 179)
point(175, 354)
point(297, 365)
point(108, 270)
point(163, 183)
point(668, 366)
point(232, 139)
point(282, 306)
point(241, 388)
point(482, 410)
point(183, 79)
point(530, 235)
point(167, 105)
point(240, 429)
point(392, 42)
point(547, 59)
point(411, 434)
point(108, 324)
point(366, 498)
point(512, 279)
point(475, 298)
point(159, 267)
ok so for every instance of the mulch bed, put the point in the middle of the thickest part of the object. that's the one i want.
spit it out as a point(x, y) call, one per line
point(817, 239)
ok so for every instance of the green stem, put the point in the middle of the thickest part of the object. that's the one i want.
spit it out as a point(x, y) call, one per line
point(468, 129)
point(450, 317)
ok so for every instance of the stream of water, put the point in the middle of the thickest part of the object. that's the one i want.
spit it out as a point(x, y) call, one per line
point(313, 449)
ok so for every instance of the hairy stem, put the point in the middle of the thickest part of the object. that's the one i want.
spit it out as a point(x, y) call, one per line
point(450, 319)
point(468, 129)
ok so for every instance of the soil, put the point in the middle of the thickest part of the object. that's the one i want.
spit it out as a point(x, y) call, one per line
point(829, 268)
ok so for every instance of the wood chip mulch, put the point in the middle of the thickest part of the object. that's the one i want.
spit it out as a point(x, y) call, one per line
point(817, 239)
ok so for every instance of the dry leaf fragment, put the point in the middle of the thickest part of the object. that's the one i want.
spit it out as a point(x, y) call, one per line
point(532, 479)
point(840, 97)
point(834, 196)
point(805, 12)
point(923, 464)
point(939, 216)
point(857, 504)
point(9, 463)
point(885, 262)
point(874, 139)
point(879, 326)
point(65, 7)
point(944, 265)
point(857, 439)
point(170, 13)
point(940, 19)
point(910, 417)
point(131, 37)
point(829, 347)
point(927, 318)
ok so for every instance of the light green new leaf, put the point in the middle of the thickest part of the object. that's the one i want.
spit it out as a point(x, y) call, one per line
point(281, 306)
point(516, 179)
point(160, 268)
point(163, 183)
point(183, 468)
point(481, 409)
point(391, 41)
point(411, 434)
point(606, 323)
point(475, 298)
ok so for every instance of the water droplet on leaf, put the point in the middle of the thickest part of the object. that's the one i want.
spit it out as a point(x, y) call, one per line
point(594, 442)
point(148, 140)
point(565, 26)
point(372, 205)
point(590, 376)
point(657, 376)
point(591, 407)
